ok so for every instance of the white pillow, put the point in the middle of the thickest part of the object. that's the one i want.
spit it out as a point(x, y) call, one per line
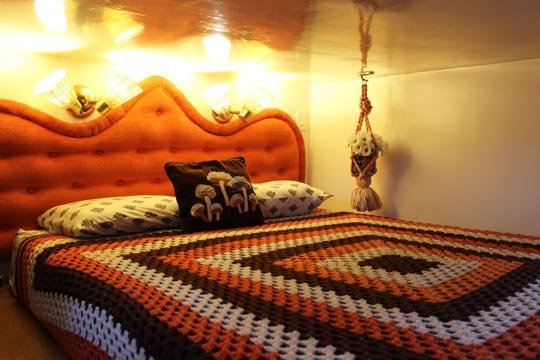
point(112, 216)
point(288, 198)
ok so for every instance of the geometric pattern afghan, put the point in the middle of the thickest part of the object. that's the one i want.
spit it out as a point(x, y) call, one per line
point(322, 286)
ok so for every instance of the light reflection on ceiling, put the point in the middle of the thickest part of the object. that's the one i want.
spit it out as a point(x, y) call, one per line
point(408, 35)
point(103, 25)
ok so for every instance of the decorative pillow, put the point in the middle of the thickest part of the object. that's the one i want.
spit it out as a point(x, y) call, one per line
point(112, 216)
point(214, 194)
point(288, 198)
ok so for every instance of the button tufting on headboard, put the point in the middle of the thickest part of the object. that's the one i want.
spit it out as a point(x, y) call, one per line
point(103, 157)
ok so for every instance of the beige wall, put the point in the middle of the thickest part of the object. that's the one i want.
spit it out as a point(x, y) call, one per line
point(465, 144)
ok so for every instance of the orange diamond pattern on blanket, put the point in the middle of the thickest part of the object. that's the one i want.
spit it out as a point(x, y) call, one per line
point(325, 285)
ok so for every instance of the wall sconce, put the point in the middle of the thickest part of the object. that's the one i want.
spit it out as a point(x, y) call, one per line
point(218, 97)
point(78, 100)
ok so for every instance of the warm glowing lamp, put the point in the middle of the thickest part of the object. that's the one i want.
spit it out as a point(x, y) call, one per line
point(218, 98)
point(217, 47)
point(258, 99)
point(78, 100)
point(121, 88)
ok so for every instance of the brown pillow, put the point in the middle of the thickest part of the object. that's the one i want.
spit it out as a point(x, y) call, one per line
point(214, 194)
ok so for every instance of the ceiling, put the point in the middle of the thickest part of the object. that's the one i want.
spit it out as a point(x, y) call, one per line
point(407, 35)
point(425, 35)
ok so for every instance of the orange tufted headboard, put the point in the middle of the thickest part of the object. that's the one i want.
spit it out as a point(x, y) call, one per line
point(45, 161)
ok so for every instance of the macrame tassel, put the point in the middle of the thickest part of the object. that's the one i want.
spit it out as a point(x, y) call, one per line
point(364, 198)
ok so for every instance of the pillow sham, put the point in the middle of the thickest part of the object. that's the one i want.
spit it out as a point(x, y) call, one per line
point(214, 194)
point(112, 216)
point(288, 198)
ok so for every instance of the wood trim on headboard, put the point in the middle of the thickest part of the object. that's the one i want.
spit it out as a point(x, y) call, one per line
point(45, 161)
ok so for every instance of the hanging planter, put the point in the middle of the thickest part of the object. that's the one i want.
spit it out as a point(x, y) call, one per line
point(365, 145)
point(365, 149)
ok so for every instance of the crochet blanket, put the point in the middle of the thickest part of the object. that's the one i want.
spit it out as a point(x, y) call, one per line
point(322, 286)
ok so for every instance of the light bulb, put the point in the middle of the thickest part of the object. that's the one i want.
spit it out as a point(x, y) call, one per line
point(217, 47)
point(52, 14)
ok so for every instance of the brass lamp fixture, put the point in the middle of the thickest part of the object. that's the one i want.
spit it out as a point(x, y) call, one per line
point(78, 100)
point(219, 99)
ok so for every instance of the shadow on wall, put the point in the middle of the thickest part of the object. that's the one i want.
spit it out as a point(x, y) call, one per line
point(396, 164)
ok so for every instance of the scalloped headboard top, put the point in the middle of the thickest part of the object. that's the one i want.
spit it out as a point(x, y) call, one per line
point(46, 162)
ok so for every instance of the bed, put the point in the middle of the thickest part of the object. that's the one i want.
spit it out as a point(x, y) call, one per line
point(316, 285)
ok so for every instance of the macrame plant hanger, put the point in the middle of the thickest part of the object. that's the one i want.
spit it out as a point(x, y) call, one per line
point(364, 198)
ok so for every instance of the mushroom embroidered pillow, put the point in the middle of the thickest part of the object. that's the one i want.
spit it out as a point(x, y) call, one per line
point(214, 194)
point(288, 198)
